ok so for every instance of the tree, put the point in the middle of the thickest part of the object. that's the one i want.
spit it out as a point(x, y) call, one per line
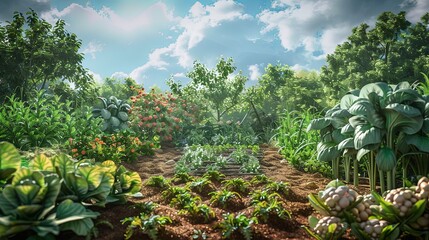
point(33, 54)
point(214, 88)
point(393, 51)
point(118, 88)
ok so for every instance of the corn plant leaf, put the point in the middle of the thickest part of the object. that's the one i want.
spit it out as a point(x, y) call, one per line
point(385, 210)
point(416, 211)
point(318, 204)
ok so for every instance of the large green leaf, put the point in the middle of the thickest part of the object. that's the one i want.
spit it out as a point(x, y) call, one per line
point(75, 217)
point(105, 114)
point(92, 174)
point(346, 143)
point(9, 156)
point(381, 88)
point(347, 101)
point(386, 159)
point(327, 151)
point(347, 129)
point(361, 153)
point(63, 164)
point(123, 116)
point(114, 121)
point(419, 141)
point(403, 118)
point(319, 123)
point(42, 163)
point(362, 107)
point(366, 135)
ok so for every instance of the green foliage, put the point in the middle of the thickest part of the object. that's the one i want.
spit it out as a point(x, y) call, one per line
point(122, 89)
point(264, 210)
point(201, 185)
point(237, 185)
point(377, 123)
point(394, 51)
point(126, 182)
point(173, 191)
point(214, 175)
point(199, 211)
point(277, 187)
point(212, 89)
point(146, 207)
point(86, 183)
point(29, 204)
point(182, 200)
point(148, 224)
point(182, 178)
point(223, 197)
point(297, 145)
point(114, 113)
point(158, 182)
point(33, 54)
point(36, 123)
point(233, 224)
point(258, 196)
point(10, 161)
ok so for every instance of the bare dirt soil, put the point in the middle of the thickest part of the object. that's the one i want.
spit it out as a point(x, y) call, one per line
point(163, 162)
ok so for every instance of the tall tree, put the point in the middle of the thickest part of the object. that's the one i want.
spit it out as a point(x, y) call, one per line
point(34, 53)
point(215, 88)
point(393, 51)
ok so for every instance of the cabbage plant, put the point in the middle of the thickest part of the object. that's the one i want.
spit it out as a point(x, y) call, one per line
point(29, 204)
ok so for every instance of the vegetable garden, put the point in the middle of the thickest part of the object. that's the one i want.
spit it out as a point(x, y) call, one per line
point(212, 159)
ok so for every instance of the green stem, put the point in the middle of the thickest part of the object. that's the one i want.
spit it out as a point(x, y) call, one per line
point(382, 182)
point(355, 172)
point(389, 180)
point(347, 168)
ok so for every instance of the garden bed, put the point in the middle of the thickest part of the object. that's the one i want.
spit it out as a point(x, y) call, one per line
point(162, 163)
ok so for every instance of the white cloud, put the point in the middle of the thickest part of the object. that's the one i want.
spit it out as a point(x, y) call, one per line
point(319, 25)
point(97, 77)
point(119, 75)
point(107, 23)
point(298, 67)
point(416, 8)
point(92, 48)
point(254, 72)
point(179, 75)
point(194, 27)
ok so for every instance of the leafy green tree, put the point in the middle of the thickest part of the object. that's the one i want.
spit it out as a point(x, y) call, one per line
point(393, 51)
point(215, 90)
point(33, 54)
point(119, 88)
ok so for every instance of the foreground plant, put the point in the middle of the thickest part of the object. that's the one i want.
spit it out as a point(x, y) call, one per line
point(224, 198)
point(158, 182)
point(237, 184)
point(237, 224)
point(29, 204)
point(148, 224)
point(198, 212)
point(402, 212)
point(270, 210)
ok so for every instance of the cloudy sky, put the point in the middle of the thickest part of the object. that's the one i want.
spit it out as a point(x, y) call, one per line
point(153, 40)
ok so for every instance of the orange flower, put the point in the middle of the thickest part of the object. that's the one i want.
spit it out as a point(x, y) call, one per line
point(83, 152)
point(74, 150)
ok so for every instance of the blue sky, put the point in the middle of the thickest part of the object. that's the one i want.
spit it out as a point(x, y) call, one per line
point(153, 40)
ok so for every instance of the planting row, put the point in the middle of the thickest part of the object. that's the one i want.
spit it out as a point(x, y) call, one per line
point(215, 207)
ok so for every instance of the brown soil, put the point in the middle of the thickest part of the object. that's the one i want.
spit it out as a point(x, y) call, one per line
point(163, 162)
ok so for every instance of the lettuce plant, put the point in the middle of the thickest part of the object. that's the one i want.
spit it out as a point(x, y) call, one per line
point(29, 204)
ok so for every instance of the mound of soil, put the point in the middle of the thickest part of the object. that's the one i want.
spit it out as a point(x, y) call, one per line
point(163, 162)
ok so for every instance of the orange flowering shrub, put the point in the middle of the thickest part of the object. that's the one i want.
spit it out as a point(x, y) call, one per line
point(121, 146)
point(160, 114)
